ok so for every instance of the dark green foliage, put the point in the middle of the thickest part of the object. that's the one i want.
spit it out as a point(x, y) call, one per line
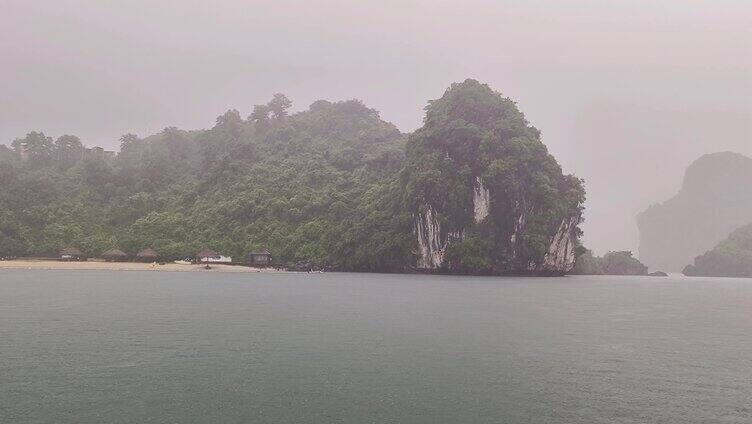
point(470, 255)
point(315, 186)
point(587, 264)
point(612, 263)
point(278, 106)
point(334, 185)
point(68, 150)
point(36, 148)
point(475, 133)
point(731, 258)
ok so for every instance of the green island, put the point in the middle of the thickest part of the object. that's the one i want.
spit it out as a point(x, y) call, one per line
point(473, 191)
point(612, 263)
point(732, 257)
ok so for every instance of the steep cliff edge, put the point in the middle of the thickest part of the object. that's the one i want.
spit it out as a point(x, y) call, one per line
point(484, 193)
point(715, 198)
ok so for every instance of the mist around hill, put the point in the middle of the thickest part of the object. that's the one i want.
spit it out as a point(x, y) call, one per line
point(473, 191)
point(715, 199)
point(732, 257)
point(626, 93)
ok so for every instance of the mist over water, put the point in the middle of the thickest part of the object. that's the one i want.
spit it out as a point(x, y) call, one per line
point(229, 155)
point(89, 347)
point(626, 93)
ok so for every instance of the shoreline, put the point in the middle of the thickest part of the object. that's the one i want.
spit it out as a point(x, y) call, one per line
point(126, 266)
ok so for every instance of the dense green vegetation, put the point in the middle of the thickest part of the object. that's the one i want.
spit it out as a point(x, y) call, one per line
point(612, 263)
point(730, 258)
point(473, 136)
point(334, 185)
point(300, 185)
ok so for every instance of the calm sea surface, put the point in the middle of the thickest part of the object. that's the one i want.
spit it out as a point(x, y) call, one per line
point(147, 347)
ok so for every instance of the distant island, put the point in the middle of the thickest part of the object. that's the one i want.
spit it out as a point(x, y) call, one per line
point(612, 263)
point(730, 258)
point(473, 191)
point(714, 200)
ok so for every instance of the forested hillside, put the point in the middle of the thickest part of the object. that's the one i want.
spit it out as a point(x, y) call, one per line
point(331, 185)
point(730, 258)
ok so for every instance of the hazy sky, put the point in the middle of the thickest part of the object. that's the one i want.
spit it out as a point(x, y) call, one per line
point(626, 93)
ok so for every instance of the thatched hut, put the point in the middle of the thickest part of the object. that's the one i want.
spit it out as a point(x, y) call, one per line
point(206, 255)
point(263, 257)
point(147, 255)
point(115, 255)
point(71, 254)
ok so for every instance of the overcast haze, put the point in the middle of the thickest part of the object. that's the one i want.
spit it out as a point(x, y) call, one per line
point(626, 93)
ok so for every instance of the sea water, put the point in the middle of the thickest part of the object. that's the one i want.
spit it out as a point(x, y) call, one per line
point(162, 347)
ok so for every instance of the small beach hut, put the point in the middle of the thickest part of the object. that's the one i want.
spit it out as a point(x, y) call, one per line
point(71, 254)
point(147, 255)
point(206, 256)
point(263, 257)
point(115, 255)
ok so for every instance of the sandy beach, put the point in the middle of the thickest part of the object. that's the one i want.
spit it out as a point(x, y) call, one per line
point(124, 266)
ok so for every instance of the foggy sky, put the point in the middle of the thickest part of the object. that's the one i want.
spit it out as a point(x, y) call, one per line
point(626, 93)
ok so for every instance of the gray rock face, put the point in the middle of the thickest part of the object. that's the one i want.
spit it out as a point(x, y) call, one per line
point(483, 193)
point(481, 200)
point(715, 199)
point(433, 240)
point(561, 252)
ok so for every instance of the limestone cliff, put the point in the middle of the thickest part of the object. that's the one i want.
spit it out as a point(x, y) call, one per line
point(561, 251)
point(484, 194)
point(715, 198)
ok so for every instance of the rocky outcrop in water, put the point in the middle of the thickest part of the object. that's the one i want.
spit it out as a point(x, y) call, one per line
point(715, 198)
point(485, 195)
